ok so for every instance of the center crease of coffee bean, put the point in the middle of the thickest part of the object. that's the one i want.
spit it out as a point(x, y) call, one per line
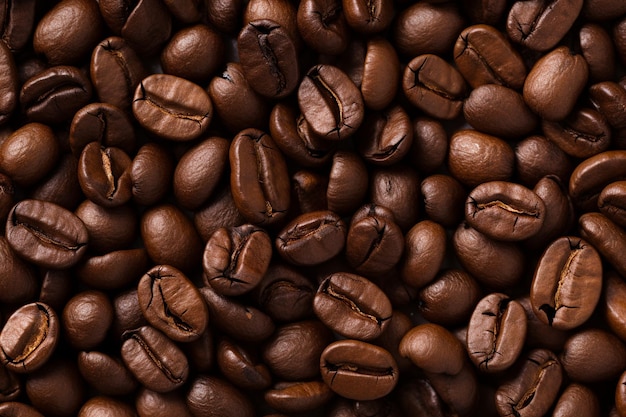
point(270, 57)
point(108, 171)
point(41, 235)
point(333, 101)
point(353, 306)
point(530, 393)
point(176, 320)
point(505, 206)
point(165, 110)
point(119, 58)
point(166, 371)
point(34, 340)
point(470, 48)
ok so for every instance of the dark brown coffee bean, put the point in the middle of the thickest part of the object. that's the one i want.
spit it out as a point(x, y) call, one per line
point(212, 396)
point(156, 362)
point(55, 94)
point(87, 317)
point(603, 9)
point(443, 199)
point(260, 193)
point(582, 134)
point(358, 370)
point(485, 11)
point(496, 333)
point(484, 55)
point(236, 259)
point(29, 154)
point(597, 48)
point(61, 185)
point(172, 107)
point(536, 157)
point(593, 174)
point(425, 249)
point(540, 25)
point(282, 12)
point(219, 211)
point(609, 98)
point(194, 53)
point(57, 388)
point(109, 229)
point(109, 406)
point(398, 189)
point(347, 182)
point(476, 157)
point(612, 308)
point(430, 144)
point(534, 388)
point(18, 282)
point(241, 367)
point(29, 337)
point(612, 202)
point(46, 234)
point(17, 409)
point(593, 355)
point(106, 373)
point(151, 174)
point(367, 17)
point(172, 303)
point(298, 397)
point(310, 190)
point(322, 25)
point(7, 192)
point(381, 72)
point(104, 175)
point(434, 86)
point(607, 237)
point(116, 71)
point(489, 105)
point(128, 314)
point(312, 238)
point(17, 23)
point(385, 137)
point(155, 404)
point(433, 349)
point(8, 83)
point(539, 334)
point(577, 398)
point(352, 306)
point(285, 294)
point(268, 58)
point(330, 102)
point(555, 82)
point(199, 171)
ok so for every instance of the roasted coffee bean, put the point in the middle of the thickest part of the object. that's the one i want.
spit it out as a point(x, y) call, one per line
point(386, 137)
point(534, 387)
point(591, 176)
point(540, 26)
point(56, 388)
point(17, 278)
point(593, 355)
point(104, 175)
point(597, 48)
point(7, 192)
point(268, 58)
point(116, 71)
point(620, 394)
point(567, 283)
point(504, 211)
point(582, 134)
point(240, 366)
point(55, 94)
point(285, 294)
point(172, 303)
point(155, 404)
point(425, 249)
point(608, 238)
point(86, 319)
point(68, 32)
point(485, 11)
point(484, 55)
point(128, 314)
point(102, 405)
point(109, 229)
point(212, 396)
point(398, 189)
point(368, 17)
point(358, 370)
point(612, 309)
point(322, 25)
point(260, 193)
point(612, 202)
point(46, 234)
point(434, 86)
point(312, 238)
point(330, 102)
point(352, 306)
point(219, 211)
point(536, 157)
point(381, 72)
point(172, 107)
point(347, 182)
point(577, 398)
point(310, 190)
point(150, 185)
point(29, 337)
point(8, 83)
point(156, 362)
point(603, 9)
point(555, 82)
point(61, 186)
point(429, 147)
point(433, 349)
point(496, 333)
point(609, 98)
point(282, 12)
point(443, 199)
point(17, 409)
point(236, 259)
point(106, 373)
point(298, 397)
point(17, 23)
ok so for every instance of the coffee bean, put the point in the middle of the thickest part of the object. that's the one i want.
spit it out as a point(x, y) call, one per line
point(322, 25)
point(386, 137)
point(16, 276)
point(397, 188)
point(298, 397)
point(87, 318)
point(106, 373)
point(591, 176)
point(611, 202)
point(582, 134)
point(536, 157)
point(433, 349)
point(109, 229)
point(609, 98)
point(17, 24)
point(156, 404)
point(607, 237)
point(381, 69)
point(285, 294)
point(597, 48)
point(56, 388)
point(8, 83)
point(577, 398)
point(366, 17)
point(430, 144)
point(443, 199)
point(347, 182)
point(241, 367)
point(151, 174)
point(187, 11)
point(425, 249)
point(102, 405)
point(17, 409)
point(210, 395)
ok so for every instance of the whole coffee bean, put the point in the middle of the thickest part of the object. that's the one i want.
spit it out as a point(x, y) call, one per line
point(312, 238)
point(29, 154)
point(612, 309)
point(104, 175)
point(582, 134)
point(381, 71)
point(285, 294)
point(17, 409)
point(66, 34)
point(603, 9)
point(398, 189)
point(128, 314)
point(430, 144)
point(258, 179)
point(555, 82)
point(172, 107)
point(322, 25)
point(358, 370)
point(150, 185)
point(219, 211)
point(352, 306)
point(609, 98)
point(536, 157)
point(489, 105)
point(298, 397)
point(225, 16)
point(156, 362)
point(386, 137)
point(55, 94)
point(241, 367)
point(608, 238)
point(434, 86)
point(87, 317)
point(330, 102)
point(61, 186)
point(199, 171)
point(368, 18)
point(29, 338)
point(236, 259)
point(534, 388)
point(418, 396)
point(593, 355)
point(268, 58)
point(374, 243)
point(424, 253)
point(194, 53)
point(538, 27)
point(106, 406)
point(170, 238)
point(172, 304)
point(109, 229)
point(155, 404)
point(427, 28)
point(567, 283)
point(106, 373)
point(433, 349)
point(116, 71)
point(577, 398)
point(114, 270)
point(46, 234)
point(310, 190)
point(7, 192)
point(347, 182)
point(597, 48)
point(212, 397)
point(282, 12)
point(612, 202)
point(17, 24)
point(57, 388)
point(591, 176)
point(443, 199)
point(8, 83)
point(496, 333)
point(495, 264)
point(449, 299)
point(293, 352)
point(476, 157)
point(484, 55)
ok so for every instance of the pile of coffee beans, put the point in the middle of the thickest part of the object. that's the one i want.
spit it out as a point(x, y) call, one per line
point(342, 208)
